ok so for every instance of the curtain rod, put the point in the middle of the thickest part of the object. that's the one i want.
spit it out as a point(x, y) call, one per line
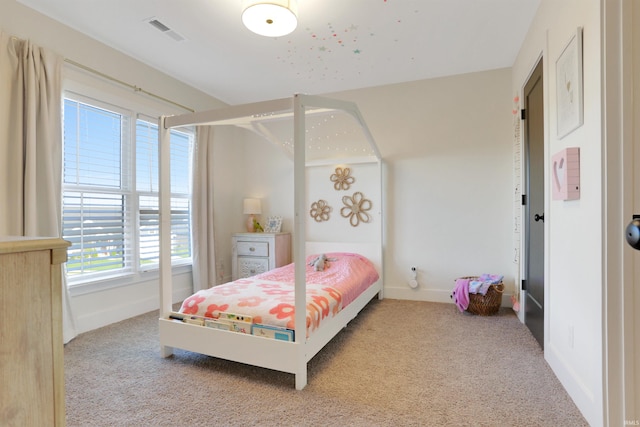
point(135, 88)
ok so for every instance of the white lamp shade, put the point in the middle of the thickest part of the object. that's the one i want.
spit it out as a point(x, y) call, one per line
point(271, 18)
point(252, 206)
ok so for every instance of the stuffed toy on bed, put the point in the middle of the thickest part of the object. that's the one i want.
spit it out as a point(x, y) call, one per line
point(320, 262)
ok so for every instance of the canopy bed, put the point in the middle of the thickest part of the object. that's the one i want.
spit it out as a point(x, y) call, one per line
point(301, 126)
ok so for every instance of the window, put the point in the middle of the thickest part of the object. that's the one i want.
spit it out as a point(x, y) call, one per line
point(110, 191)
point(147, 193)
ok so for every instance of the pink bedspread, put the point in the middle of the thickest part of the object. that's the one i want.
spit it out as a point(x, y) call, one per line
point(270, 297)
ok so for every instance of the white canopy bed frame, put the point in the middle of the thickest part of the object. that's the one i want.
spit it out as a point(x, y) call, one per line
point(290, 357)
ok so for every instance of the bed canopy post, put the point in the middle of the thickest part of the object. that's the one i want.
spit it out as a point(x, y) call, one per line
point(299, 189)
point(164, 141)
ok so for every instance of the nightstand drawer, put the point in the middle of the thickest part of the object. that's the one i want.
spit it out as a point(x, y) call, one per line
point(255, 253)
point(248, 267)
point(253, 248)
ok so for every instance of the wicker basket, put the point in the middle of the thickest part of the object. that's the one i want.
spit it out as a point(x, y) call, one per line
point(488, 304)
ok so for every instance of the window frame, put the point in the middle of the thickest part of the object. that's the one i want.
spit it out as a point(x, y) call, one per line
point(189, 131)
point(135, 109)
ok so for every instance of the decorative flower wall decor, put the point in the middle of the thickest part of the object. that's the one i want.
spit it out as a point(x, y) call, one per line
point(342, 179)
point(320, 211)
point(355, 208)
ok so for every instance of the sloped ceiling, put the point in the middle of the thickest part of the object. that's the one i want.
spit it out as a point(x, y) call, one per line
point(338, 44)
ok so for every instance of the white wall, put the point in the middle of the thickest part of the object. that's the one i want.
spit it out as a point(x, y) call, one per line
point(268, 175)
point(447, 148)
point(235, 179)
point(573, 229)
point(110, 304)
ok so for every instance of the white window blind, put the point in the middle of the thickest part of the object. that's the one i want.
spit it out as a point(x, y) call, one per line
point(148, 198)
point(110, 196)
point(96, 182)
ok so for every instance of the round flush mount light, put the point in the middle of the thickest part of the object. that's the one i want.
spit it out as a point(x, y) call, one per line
point(272, 18)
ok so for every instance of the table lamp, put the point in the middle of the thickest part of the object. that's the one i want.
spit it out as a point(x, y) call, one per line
point(251, 208)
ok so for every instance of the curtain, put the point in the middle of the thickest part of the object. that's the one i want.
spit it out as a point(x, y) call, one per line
point(31, 147)
point(204, 261)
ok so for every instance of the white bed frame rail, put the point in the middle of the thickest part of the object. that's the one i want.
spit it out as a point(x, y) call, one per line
point(291, 357)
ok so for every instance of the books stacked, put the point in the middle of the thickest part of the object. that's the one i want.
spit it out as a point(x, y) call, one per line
point(236, 323)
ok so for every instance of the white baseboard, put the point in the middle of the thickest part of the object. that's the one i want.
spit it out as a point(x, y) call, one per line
point(432, 295)
point(583, 396)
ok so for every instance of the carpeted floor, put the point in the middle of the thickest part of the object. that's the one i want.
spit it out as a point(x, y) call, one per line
point(399, 363)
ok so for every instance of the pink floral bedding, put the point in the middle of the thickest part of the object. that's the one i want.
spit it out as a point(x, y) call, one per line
point(270, 297)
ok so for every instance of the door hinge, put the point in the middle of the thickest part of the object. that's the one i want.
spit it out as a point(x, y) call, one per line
point(524, 284)
point(524, 200)
point(523, 114)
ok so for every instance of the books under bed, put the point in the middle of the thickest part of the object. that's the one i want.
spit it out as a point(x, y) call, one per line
point(281, 318)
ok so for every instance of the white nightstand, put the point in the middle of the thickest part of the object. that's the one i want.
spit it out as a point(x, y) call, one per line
point(255, 253)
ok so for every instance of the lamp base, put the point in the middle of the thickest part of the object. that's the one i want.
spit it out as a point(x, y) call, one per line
point(250, 224)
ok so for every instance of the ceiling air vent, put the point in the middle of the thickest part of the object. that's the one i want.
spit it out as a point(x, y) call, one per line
point(165, 29)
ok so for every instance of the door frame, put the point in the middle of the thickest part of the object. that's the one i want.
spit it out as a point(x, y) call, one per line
point(621, 400)
point(522, 223)
point(526, 211)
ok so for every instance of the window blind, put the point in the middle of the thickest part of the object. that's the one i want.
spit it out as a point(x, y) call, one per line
point(147, 176)
point(95, 197)
point(110, 195)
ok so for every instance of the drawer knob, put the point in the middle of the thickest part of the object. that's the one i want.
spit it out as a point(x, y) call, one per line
point(252, 249)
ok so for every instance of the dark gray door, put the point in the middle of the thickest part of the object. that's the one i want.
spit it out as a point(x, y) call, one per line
point(534, 208)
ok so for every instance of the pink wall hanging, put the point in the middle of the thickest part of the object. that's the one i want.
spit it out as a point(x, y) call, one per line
point(565, 174)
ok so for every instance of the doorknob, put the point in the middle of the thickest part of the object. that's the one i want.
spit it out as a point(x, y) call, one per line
point(632, 233)
point(537, 217)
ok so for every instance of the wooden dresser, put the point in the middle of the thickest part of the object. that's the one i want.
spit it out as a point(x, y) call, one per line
point(255, 253)
point(31, 343)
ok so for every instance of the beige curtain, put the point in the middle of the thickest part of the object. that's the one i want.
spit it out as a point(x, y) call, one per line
point(31, 146)
point(204, 261)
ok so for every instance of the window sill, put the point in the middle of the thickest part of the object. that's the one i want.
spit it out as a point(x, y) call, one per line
point(77, 289)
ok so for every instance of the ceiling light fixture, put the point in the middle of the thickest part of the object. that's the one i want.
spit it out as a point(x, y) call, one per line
point(271, 18)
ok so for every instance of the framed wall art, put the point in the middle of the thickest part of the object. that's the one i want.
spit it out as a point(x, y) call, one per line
point(273, 224)
point(569, 90)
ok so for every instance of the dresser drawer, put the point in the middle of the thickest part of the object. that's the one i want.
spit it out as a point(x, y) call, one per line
point(248, 267)
point(253, 248)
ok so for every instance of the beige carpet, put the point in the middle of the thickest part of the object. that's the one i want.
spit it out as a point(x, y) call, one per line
point(400, 363)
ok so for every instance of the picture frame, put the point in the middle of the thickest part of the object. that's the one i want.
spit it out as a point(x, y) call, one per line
point(569, 87)
point(273, 224)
